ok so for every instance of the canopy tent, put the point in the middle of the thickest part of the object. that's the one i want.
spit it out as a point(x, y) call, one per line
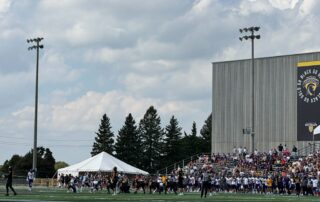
point(316, 131)
point(102, 162)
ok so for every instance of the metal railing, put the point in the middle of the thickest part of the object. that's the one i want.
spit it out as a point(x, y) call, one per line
point(180, 164)
point(310, 149)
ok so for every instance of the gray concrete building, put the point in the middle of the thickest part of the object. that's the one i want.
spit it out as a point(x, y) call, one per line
point(275, 98)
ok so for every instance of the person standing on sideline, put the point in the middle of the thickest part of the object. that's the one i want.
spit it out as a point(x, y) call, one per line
point(180, 181)
point(9, 182)
point(297, 182)
point(204, 182)
point(114, 178)
point(30, 178)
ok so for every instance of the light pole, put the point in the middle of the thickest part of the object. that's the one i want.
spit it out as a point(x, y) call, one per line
point(37, 46)
point(252, 37)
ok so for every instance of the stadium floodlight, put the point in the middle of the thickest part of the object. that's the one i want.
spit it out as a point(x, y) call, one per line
point(37, 46)
point(252, 36)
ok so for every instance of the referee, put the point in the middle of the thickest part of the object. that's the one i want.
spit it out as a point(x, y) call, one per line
point(204, 182)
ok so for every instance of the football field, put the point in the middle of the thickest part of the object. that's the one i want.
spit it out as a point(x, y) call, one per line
point(52, 194)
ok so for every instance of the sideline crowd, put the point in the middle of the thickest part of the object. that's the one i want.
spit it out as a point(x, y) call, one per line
point(278, 171)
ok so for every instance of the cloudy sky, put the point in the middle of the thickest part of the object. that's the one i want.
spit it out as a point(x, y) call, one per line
point(121, 56)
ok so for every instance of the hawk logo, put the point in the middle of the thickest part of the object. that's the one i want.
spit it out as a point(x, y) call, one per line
point(308, 86)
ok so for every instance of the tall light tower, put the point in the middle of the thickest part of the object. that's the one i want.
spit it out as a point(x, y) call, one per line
point(37, 46)
point(252, 36)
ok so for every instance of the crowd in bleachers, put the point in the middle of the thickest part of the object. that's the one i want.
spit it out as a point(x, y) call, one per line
point(278, 171)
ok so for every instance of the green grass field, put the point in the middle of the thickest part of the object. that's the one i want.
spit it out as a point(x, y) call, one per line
point(52, 194)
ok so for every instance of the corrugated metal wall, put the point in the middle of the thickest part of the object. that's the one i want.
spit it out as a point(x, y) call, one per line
point(275, 102)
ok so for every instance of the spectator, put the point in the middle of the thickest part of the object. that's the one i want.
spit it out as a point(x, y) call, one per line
point(294, 151)
point(280, 148)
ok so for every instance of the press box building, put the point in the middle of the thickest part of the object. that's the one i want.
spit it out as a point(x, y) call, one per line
point(286, 100)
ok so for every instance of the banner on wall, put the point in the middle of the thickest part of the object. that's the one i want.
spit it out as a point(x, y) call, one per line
point(308, 100)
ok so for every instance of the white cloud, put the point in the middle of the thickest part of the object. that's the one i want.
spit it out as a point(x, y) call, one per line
point(307, 7)
point(56, 5)
point(139, 83)
point(108, 55)
point(154, 49)
point(23, 118)
point(4, 6)
point(229, 53)
point(189, 81)
point(53, 68)
point(155, 65)
point(15, 89)
point(201, 6)
point(253, 7)
point(12, 33)
point(61, 96)
point(282, 5)
point(84, 113)
point(87, 32)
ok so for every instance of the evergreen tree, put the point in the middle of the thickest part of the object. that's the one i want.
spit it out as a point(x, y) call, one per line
point(172, 146)
point(194, 129)
point(151, 135)
point(25, 164)
point(191, 144)
point(21, 165)
point(206, 132)
point(13, 162)
point(128, 146)
point(45, 162)
point(104, 140)
point(48, 163)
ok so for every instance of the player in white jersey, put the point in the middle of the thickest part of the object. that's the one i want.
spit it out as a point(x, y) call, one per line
point(259, 185)
point(229, 184)
point(252, 183)
point(233, 184)
point(239, 183)
point(192, 183)
point(314, 185)
point(217, 184)
point(30, 179)
point(245, 184)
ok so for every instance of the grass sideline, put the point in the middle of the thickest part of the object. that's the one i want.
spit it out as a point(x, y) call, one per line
point(53, 194)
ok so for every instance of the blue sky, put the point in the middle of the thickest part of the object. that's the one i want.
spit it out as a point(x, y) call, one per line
point(119, 57)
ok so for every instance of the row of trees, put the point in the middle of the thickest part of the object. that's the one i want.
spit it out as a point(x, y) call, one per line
point(22, 164)
point(148, 145)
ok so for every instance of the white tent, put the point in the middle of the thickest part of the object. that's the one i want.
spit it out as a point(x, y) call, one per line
point(102, 162)
point(316, 131)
